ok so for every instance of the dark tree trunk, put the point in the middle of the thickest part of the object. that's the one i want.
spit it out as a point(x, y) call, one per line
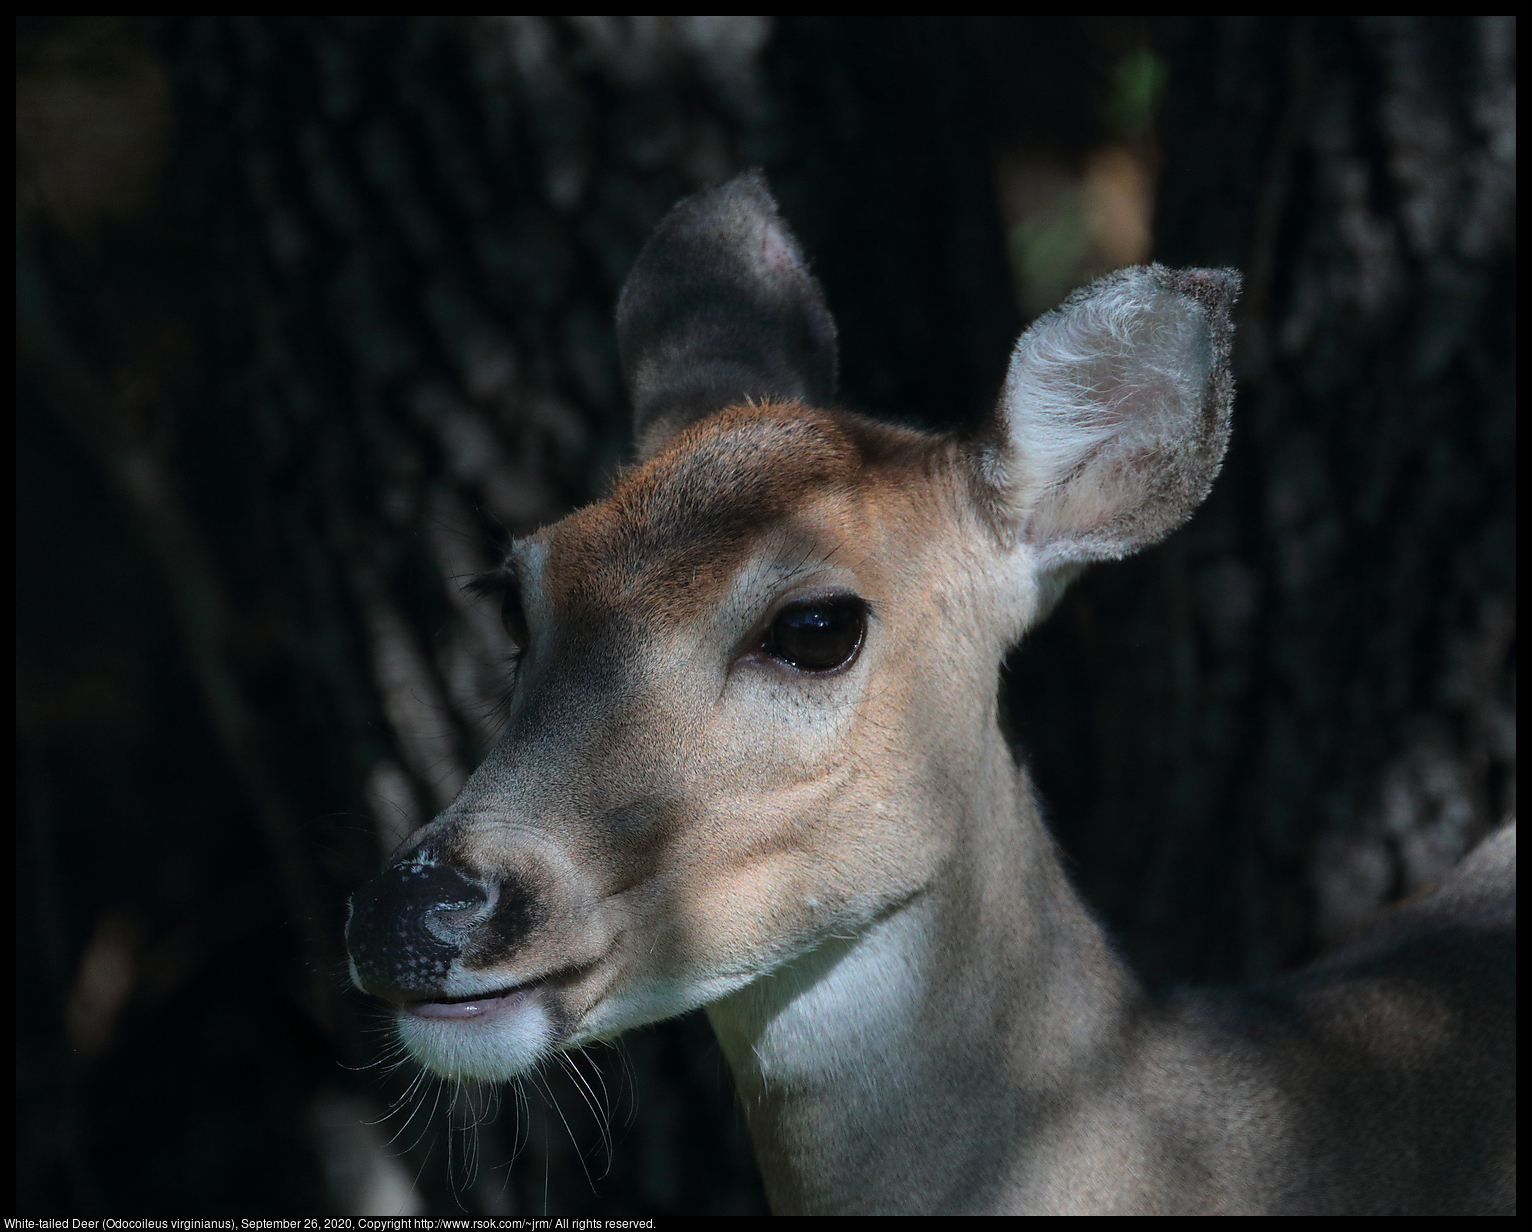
point(1302, 706)
point(886, 175)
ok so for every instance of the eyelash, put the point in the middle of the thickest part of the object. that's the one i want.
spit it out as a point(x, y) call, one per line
point(503, 585)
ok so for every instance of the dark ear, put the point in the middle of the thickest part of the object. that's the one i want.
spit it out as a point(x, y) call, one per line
point(1115, 415)
point(719, 307)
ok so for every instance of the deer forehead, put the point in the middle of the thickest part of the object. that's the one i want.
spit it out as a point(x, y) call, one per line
point(670, 544)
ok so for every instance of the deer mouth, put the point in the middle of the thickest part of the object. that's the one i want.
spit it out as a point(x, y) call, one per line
point(496, 1001)
point(493, 1035)
point(479, 1005)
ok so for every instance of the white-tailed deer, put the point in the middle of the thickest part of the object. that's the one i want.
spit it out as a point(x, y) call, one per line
point(752, 763)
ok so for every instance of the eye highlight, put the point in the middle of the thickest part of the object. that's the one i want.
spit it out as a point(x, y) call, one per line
point(817, 635)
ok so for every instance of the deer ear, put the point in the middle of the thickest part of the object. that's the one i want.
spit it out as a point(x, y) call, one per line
point(1114, 416)
point(719, 307)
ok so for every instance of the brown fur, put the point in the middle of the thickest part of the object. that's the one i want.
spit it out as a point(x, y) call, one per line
point(672, 533)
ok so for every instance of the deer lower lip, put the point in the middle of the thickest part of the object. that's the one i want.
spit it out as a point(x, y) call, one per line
point(487, 1005)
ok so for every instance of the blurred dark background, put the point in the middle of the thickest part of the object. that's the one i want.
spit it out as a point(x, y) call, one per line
point(314, 313)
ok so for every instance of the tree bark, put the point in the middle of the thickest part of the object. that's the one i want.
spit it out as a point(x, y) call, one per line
point(1302, 706)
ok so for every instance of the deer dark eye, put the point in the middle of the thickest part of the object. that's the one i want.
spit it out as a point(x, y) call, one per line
point(514, 618)
point(818, 635)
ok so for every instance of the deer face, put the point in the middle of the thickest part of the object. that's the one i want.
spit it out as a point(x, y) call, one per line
point(756, 692)
point(719, 750)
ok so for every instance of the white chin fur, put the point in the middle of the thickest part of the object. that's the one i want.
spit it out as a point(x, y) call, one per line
point(492, 1049)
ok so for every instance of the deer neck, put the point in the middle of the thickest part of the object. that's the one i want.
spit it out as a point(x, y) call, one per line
point(891, 1071)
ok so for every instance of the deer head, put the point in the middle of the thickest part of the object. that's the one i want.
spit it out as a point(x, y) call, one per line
point(754, 712)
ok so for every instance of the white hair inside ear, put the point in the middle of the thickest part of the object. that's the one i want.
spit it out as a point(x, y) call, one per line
point(1114, 416)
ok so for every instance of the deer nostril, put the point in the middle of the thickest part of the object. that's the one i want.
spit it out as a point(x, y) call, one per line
point(451, 921)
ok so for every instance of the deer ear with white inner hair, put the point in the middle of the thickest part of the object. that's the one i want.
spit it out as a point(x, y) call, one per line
point(1114, 416)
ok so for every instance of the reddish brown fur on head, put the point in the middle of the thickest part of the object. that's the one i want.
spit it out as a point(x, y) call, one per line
point(673, 531)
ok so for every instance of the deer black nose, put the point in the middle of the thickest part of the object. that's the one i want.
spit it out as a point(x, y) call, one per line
point(409, 923)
